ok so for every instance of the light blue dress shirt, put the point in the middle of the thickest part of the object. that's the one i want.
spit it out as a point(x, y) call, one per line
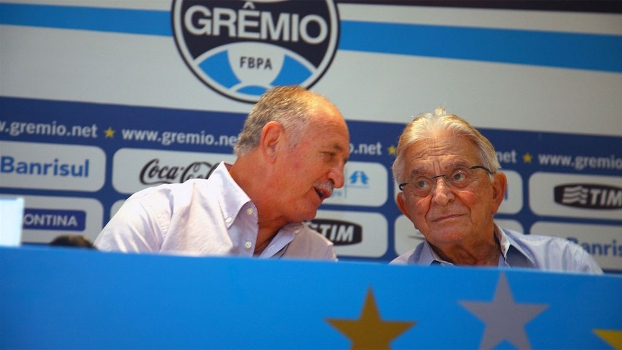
point(519, 251)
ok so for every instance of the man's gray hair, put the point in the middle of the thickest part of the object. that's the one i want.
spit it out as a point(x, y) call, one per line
point(290, 106)
point(424, 125)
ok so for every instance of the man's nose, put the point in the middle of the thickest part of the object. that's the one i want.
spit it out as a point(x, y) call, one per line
point(441, 191)
point(336, 174)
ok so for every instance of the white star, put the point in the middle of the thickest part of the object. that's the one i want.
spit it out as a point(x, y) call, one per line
point(504, 319)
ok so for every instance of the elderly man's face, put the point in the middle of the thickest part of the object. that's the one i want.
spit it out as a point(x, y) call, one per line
point(312, 169)
point(451, 216)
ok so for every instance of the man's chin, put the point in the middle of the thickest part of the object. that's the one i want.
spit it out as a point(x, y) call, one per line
point(309, 216)
point(447, 236)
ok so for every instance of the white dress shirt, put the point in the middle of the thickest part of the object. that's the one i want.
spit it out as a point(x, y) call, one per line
point(199, 217)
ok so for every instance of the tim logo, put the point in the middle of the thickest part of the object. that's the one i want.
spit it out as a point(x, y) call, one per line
point(242, 48)
point(339, 232)
point(589, 196)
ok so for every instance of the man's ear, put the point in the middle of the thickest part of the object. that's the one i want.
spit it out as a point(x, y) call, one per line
point(499, 186)
point(272, 135)
point(402, 205)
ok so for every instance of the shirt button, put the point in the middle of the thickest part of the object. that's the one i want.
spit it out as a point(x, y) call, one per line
point(249, 211)
point(248, 245)
point(228, 220)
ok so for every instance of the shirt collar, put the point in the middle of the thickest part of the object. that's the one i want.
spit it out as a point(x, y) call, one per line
point(504, 242)
point(231, 197)
point(233, 200)
point(429, 257)
point(512, 254)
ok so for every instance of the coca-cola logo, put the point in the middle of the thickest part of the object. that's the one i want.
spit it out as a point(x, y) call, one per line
point(153, 173)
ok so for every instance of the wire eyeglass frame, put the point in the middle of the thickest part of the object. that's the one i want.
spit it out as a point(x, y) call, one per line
point(450, 180)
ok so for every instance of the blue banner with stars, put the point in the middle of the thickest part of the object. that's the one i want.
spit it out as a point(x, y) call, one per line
point(72, 298)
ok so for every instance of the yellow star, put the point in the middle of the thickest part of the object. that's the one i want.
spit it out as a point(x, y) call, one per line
point(527, 158)
point(109, 132)
point(392, 150)
point(613, 338)
point(369, 331)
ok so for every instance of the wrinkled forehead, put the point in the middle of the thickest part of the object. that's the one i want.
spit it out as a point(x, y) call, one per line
point(440, 155)
point(439, 167)
point(330, 132)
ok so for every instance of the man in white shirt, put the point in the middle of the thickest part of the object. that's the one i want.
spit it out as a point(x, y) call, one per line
point(290, 156)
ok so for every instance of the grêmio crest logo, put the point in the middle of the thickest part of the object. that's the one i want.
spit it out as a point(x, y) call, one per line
point(242, 48)
point(589, 196)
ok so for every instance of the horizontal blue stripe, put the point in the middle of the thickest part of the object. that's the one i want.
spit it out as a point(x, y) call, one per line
point(552, 49)
point(146, 22)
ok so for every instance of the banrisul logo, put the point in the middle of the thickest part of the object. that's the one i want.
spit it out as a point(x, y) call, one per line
point(242, 48)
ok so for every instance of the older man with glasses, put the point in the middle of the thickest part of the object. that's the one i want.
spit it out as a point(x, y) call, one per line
point(451, 188)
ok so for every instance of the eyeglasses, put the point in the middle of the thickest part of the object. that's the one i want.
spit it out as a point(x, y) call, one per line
point(421, 186)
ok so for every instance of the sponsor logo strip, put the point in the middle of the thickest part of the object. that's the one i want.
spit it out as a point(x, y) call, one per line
point(353, 233)
point(51, 166)
point(54, 219)
point(365, 185)
point(585, 196)
point(45, 218)
point(137, 169)
point(603, 242)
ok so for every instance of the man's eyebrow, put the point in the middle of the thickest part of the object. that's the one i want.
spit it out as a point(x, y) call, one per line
point(455, 164)
point(423, 170)
point(418, 170)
